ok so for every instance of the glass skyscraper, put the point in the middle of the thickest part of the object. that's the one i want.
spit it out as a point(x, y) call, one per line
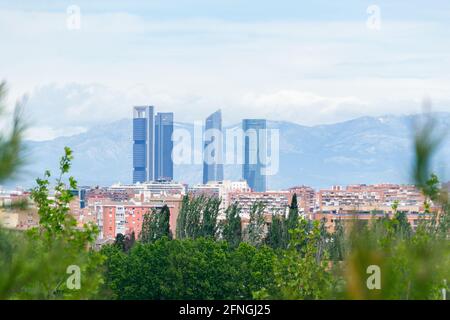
point(143, 143)
point(255, 144)
point(163, 146)
point(213, 169)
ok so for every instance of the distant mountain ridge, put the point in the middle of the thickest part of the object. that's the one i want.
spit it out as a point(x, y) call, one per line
point(362, 150)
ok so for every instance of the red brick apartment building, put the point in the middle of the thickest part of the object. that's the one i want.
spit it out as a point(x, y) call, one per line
point(276, 202)
point(122, 209)
point(306, 199)
point(365, 202)
point(118, 217)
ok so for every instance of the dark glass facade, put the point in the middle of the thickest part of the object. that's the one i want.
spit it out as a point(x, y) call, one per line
point(255, 142)
point(213, 170)
point(163, 146)
point(143, 144)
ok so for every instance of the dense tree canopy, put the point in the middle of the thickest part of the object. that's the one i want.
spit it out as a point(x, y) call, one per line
point(188, 269)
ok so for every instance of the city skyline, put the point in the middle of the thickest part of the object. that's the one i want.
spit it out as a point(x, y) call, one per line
point(225, 150)
point(369, 150)
point(153, 148)
point(152, 145)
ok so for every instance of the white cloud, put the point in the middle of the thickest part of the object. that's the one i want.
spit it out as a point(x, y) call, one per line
point(77, 105)
point(49, 133)
point(307, 72)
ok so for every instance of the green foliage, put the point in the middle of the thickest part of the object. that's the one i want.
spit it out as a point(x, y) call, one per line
point(210, 213)
point(35, 264)
point(198, 218)
point(59, 240)
point(231, 227)
point(412, 267)
point(156, 225)
point(401, 225)
point(292, 220)
point(55, 222)
point(11, 147)
point(194, 217)
point(337, 242)
point(426, 142)
point(182, 217)
point(255, 232)
point(301, 274)
point(125, 242)
point(31, 270)
point(188, 269)
point(278, 236)
point(38, 263)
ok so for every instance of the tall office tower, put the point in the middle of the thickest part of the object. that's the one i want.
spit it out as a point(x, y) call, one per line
point(213, 161)
point(143, 144)
point(255, 144)
point(163, 146)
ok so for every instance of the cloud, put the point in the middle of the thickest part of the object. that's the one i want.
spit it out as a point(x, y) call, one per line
point(308, 72)
point(62, 109)
point(303, 107)
point(43, 133)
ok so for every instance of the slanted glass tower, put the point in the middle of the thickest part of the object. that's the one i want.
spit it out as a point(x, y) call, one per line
point(213, 168)
point(143, 143)
point(255, 144)
point(163, 146)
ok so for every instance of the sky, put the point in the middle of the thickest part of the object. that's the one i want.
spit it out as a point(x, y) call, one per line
point(309, 62)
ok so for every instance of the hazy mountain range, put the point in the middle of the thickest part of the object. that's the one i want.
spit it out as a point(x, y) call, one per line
point(363, 150)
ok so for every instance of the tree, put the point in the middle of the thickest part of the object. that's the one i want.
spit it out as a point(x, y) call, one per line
point(163, 223)
point(198, 217)
point(193, 228)
point(57, 231)
point(182, 217)
point(31, 267)
point(11, 146)
point(156, 225)
point(292, 220)
point(337, 241)
point(255, 231)
point(130, 239)
point(188, 269)
point(54, 218)
point(299, 274)
point(210, 213)
point(232, 229)
point(402, 226)
point(120, 241)
point(124, 242)
point(34, 264)
point(278, 235)
point(413, 266)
